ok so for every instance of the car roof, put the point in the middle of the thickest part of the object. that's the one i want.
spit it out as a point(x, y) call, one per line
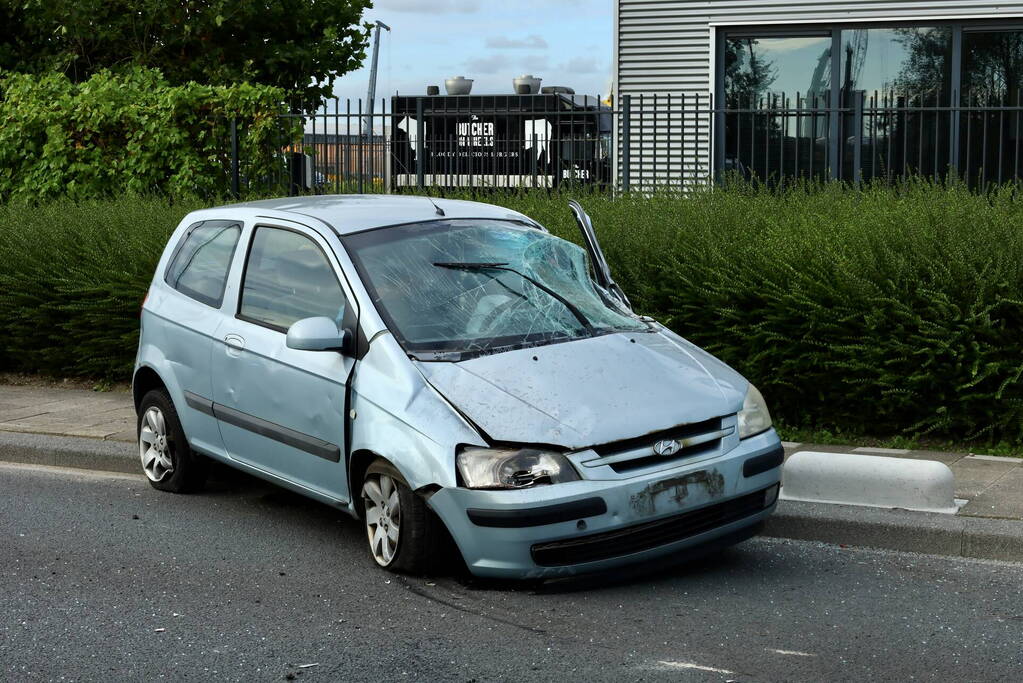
point(347, 213)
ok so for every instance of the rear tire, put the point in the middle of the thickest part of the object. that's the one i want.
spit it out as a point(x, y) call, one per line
point(404, 534)
point(167, 460)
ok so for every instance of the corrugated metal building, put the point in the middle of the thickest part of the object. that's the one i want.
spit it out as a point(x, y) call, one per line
point(680, 56)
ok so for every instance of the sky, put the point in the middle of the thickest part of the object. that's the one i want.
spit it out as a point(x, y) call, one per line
point(564, 42)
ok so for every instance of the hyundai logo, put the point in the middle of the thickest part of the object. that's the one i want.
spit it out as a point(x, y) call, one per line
point(667, 447)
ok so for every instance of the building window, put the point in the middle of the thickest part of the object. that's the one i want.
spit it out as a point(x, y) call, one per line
point(989, 134)
point(902, 77)
point(777, 90)
point(895, 101)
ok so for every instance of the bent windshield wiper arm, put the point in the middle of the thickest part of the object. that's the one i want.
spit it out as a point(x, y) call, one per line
point(573, 309)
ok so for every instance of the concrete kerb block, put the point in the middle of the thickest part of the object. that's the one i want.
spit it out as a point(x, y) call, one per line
point(64, 451)
point(869, 480)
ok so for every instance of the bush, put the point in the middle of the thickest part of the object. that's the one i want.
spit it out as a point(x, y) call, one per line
point(888, 311)
point(129, 132)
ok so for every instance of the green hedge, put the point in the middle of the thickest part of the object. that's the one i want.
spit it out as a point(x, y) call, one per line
point(129, 132)
point(888, 311)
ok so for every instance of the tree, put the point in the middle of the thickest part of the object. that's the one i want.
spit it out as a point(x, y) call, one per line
point(748, 73)
point(299, 45)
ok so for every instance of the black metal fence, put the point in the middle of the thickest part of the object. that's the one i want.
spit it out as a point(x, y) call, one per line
point(640, 143)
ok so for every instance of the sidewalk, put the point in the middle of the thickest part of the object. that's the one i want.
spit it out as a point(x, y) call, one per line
point(96, 430)
point(67, 412)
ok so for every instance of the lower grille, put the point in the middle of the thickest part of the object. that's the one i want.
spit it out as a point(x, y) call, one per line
point(648, 535)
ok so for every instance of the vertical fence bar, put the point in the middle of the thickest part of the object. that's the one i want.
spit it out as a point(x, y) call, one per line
point(983, 150)
point(1001, 136)
point(420, 145)
point(857, 137)
point(361, 149)
point(799, 132)
point(235, 179)
point(626, 128)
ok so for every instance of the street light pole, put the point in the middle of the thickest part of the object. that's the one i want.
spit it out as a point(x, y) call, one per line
point(367, 126)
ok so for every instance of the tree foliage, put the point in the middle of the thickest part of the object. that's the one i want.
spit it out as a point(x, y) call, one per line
point(131, 131)
point(298, 45)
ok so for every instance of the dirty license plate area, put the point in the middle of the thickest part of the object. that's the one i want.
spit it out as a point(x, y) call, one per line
point(640, 537)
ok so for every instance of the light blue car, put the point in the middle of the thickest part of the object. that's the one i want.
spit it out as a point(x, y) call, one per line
point(445, 370)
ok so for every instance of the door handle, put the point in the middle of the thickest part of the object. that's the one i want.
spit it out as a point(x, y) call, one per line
point(235, 342)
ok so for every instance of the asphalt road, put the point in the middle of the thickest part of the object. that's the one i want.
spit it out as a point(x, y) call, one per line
point(104, 578)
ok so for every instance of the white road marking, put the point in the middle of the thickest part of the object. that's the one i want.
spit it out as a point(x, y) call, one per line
point(796, 653)
point(698, 667)
point(74, 471)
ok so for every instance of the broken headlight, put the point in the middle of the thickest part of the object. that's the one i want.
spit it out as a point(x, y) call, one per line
point(753, 418)
point(513, 468)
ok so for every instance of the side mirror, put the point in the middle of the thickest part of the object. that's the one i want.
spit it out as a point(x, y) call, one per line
point(318, 334)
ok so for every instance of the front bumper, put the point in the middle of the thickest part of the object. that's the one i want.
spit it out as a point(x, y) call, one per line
point(590, 526)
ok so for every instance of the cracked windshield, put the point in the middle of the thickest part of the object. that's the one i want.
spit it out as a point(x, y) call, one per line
point(465, 287)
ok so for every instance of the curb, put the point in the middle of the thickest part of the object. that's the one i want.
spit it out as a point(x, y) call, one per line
point(904, 530)
point(68, 451)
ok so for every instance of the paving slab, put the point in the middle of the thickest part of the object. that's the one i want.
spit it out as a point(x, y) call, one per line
point(68, 412)
point(1003, 499)
point(974, 475)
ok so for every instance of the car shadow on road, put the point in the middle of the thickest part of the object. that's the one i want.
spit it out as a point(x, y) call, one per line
point(228, 482)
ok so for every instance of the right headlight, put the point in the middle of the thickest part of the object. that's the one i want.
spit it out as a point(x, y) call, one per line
point(513, 468)
point(754, 417)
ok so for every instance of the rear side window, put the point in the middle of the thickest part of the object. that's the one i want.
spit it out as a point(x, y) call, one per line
point(288, 278)
point(200, 264)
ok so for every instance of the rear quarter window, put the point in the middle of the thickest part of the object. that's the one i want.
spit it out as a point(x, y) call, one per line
point(202, 260)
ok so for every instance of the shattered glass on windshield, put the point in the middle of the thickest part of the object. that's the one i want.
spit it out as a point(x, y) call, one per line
point(467, 287)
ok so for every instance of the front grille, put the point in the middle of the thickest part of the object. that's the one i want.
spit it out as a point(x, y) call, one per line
point(648, 535)
point(691, 451)
point(696, 438)
point(680, 432)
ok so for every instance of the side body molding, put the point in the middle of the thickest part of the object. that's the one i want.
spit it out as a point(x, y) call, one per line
point(309, 444)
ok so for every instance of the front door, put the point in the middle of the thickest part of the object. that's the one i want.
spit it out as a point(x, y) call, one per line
point(282, 410)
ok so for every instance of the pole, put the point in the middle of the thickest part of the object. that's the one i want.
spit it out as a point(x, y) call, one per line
point(372, 92)
point(626, 128)
point(235, 189)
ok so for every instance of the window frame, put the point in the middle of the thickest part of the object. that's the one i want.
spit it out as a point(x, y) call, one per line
point(349, 313)
point(218, 303)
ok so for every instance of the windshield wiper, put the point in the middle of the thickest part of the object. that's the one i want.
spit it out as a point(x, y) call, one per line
point(573, 309)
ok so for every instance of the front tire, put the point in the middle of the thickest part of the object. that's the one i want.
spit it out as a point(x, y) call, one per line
point(404, 534)
point(167, 460)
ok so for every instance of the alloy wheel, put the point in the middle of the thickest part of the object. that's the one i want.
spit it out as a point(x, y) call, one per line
point(383, 517)
point(155, 445)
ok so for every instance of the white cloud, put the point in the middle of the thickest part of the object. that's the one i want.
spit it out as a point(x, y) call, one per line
point(532, 41)
point(581, 65)
point(486, 65)
point(428, 6)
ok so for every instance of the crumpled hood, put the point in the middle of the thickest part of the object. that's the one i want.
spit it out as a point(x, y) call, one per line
point(590, 391)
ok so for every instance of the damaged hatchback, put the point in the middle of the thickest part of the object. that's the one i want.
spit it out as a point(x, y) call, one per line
point(442, 370)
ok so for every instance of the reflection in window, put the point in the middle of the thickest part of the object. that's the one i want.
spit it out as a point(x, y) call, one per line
point(200, 266)
point(901, 77)
point(775, 92)
point(907, 61)
point(992, 73)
